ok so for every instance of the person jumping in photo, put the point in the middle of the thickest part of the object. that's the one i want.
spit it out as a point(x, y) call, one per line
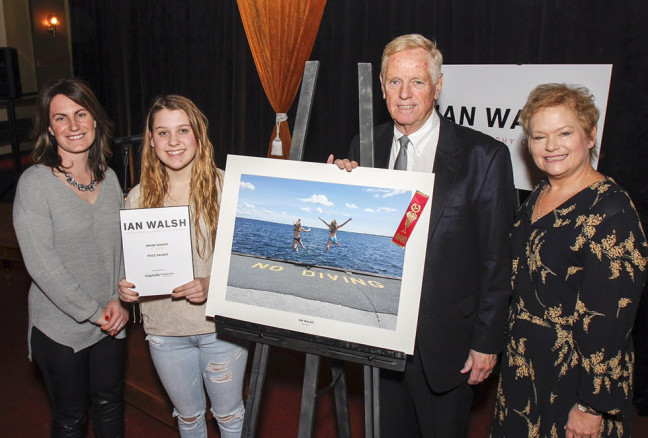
point(333, 227)
point(297, 235)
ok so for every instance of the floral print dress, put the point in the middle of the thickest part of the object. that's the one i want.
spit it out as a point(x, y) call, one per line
point(577, 278)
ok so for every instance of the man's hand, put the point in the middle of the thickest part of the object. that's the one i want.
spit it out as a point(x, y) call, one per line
point(342, 163)
point(480, 366)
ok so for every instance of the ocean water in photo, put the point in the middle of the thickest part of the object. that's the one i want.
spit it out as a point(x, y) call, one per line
point(359, 252)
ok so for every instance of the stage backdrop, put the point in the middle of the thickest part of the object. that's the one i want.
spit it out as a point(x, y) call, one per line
point(132, 51)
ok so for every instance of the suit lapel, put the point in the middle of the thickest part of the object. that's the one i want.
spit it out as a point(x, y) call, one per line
point(383, 137)
point(446, 169)
point(446, 163)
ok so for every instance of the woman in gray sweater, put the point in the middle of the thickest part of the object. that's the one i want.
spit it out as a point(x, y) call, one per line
point(67, 222)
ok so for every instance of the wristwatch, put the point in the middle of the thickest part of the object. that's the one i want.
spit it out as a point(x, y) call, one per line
point(586, 409)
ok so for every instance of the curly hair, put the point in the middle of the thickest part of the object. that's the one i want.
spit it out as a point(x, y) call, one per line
point(46, 148)
point(206, 181)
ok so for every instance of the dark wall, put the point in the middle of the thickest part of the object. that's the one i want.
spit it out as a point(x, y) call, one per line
point(132, 51)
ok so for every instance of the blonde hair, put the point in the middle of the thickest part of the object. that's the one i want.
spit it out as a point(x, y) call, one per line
point(206, 181)
point(414, 41)
point(333, 225)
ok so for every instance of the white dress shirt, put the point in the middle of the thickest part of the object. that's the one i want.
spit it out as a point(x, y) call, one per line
point(421, 148)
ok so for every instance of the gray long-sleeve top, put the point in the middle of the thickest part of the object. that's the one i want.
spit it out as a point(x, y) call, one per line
point(72, 251)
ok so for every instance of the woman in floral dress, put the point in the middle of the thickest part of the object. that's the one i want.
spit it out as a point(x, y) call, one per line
point(579, 266)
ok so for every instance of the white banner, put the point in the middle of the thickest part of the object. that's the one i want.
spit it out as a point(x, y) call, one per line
point(489, 98)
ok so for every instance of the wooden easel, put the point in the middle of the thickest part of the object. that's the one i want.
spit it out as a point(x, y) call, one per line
point(314, 346)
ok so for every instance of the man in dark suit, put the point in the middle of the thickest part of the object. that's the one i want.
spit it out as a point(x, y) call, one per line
point(466, 281)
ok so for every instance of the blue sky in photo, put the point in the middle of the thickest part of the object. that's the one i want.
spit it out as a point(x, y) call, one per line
point(282, 200)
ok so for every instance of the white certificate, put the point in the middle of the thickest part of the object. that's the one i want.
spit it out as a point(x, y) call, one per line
point(157, 248)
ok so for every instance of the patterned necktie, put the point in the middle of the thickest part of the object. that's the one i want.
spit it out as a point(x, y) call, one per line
point(401, 159)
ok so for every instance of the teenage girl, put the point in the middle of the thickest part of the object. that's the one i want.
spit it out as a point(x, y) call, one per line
point(178, 169)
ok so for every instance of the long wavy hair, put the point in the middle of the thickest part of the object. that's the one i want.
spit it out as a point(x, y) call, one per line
point(206, 181)
point(46, 148)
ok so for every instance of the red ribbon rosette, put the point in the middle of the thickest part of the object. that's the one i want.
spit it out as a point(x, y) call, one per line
point(410, 218)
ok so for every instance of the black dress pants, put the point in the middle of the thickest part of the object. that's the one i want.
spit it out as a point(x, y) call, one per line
point(410, 409)
point(93, 374)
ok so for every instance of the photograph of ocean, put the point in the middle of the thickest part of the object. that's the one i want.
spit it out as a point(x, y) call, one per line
point(358, 252)
point(358, 279)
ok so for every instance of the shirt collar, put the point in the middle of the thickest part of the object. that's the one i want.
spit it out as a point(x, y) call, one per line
point(418, 137)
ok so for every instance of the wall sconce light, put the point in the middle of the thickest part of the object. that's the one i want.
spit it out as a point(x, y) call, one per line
point(52, 21)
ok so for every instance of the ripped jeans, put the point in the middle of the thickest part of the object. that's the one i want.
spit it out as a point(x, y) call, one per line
point(185, 363)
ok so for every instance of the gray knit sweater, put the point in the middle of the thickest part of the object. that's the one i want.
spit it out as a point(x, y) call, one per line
point(72, 250)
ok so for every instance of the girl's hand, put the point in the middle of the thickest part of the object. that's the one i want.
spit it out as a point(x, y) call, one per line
point(195, 291)
point(126, 292)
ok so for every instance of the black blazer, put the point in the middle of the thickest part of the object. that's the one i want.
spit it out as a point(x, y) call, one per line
point(467, 275)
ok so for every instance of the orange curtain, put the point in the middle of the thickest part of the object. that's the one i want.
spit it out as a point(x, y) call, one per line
point(281, 34)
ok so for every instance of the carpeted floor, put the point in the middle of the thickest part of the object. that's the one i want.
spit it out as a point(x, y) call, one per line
point(24, 407)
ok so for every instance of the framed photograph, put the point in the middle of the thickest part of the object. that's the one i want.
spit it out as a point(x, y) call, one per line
point(310, 248)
